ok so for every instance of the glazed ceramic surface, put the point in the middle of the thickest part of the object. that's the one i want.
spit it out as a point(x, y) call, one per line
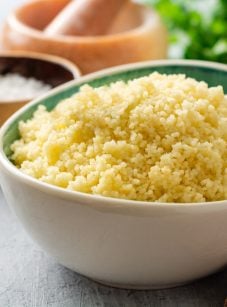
point(123, 243)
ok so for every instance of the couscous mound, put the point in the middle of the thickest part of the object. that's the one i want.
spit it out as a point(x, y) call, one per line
point(159, 138)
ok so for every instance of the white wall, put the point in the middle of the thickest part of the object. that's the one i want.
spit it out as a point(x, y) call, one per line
point(6, 6)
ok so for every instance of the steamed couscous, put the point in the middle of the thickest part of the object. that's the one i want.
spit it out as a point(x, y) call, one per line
point(159, 138)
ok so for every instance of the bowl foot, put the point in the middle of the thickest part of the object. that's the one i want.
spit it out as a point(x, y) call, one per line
point(138, 286)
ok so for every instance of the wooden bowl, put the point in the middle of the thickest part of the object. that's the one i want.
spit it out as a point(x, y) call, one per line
point(136, 35)
point(51, 70)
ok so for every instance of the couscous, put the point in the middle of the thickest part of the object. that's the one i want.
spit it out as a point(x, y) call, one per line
point(159, 138)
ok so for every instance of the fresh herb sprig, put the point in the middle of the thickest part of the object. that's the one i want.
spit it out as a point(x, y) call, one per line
point(198, 28)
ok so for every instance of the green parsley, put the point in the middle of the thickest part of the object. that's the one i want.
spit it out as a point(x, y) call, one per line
point(198, 28)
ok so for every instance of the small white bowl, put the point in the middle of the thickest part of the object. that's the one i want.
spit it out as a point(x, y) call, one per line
point(123, 243)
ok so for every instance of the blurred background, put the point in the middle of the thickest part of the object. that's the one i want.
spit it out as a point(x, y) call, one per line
point(197, 29)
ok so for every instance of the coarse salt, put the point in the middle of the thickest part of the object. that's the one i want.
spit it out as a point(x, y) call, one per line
point(16, 87)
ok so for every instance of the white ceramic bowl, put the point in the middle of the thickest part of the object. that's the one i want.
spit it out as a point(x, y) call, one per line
point(118, 242)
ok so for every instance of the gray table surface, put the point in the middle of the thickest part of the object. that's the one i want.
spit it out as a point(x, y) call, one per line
point(30, 278)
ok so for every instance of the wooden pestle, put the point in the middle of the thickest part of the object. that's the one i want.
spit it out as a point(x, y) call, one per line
point(85, 18)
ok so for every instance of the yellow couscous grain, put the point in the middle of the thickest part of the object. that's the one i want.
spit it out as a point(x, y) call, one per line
point(156, 138)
